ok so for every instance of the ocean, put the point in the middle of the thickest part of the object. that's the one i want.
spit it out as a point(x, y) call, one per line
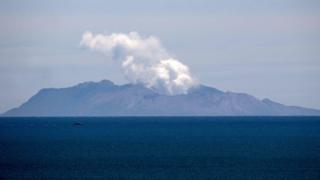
point(232, 148)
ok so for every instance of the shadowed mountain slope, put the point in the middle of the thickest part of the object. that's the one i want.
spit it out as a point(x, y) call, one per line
point(104, 98)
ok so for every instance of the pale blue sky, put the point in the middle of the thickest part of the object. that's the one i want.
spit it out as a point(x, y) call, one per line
point(270, 49)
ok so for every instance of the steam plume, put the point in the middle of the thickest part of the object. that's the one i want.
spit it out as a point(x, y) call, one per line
point(143, 61)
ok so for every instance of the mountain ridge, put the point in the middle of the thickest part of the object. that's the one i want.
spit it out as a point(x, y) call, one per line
point(105, 98)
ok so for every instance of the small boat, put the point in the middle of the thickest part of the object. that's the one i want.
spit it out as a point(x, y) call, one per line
point(77, 124)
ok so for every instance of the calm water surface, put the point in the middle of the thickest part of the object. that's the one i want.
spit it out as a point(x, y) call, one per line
point(160, 148)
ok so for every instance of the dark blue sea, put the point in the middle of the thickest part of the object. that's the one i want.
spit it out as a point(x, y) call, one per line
point(232, 148)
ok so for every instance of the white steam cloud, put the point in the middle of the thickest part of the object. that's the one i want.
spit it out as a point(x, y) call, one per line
point(143, 61)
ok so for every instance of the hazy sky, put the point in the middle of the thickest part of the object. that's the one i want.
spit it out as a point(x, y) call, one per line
point(270, 49)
